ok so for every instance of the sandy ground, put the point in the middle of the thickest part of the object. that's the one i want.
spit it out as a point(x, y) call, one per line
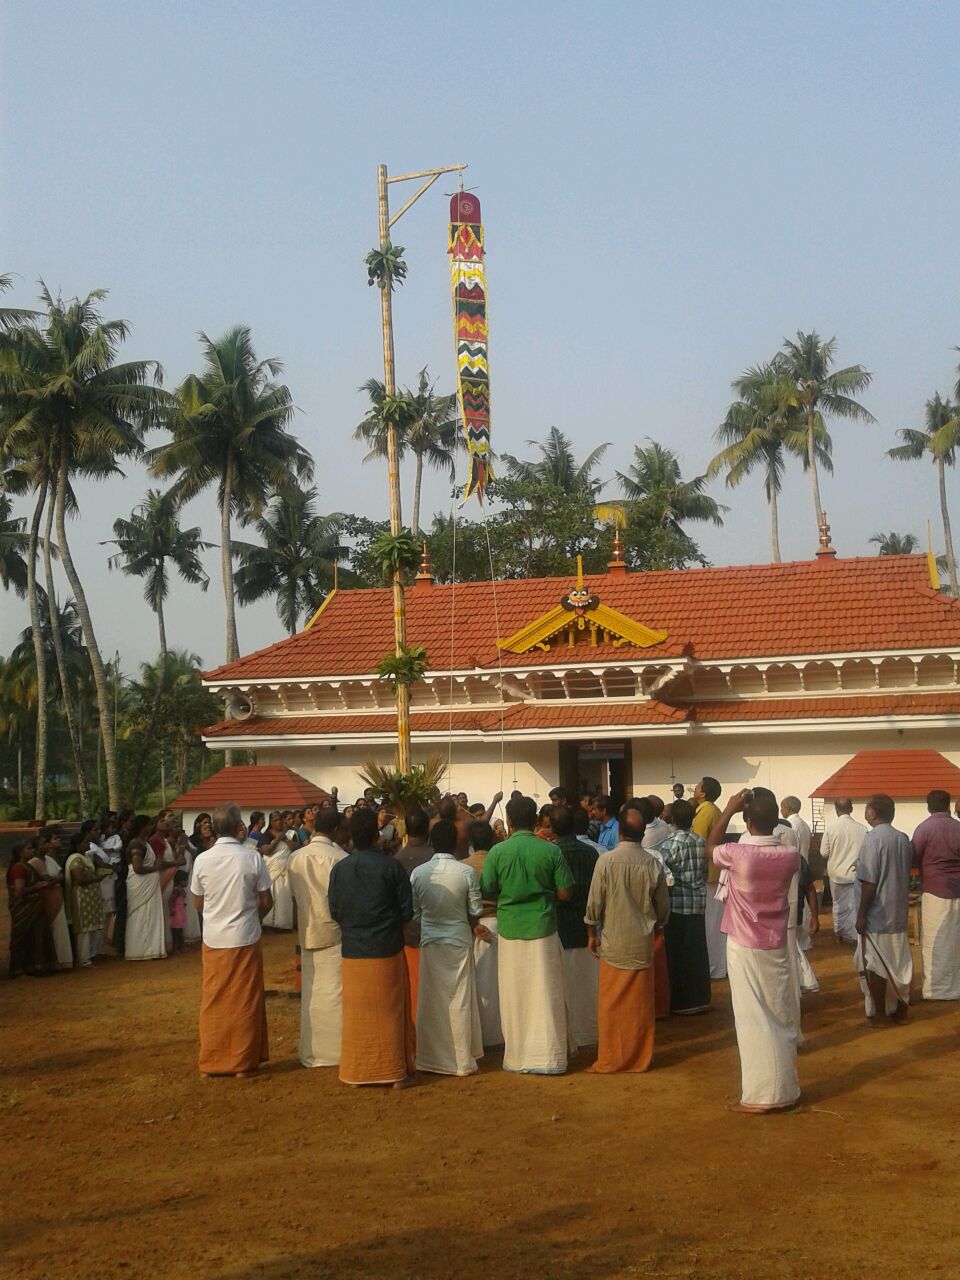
point(119, 1161)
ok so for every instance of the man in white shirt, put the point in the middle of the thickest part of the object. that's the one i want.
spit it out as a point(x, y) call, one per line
point(447, 905)
point(657, 830)
point(321, 1012)
point(231, 886)
point(841, 846)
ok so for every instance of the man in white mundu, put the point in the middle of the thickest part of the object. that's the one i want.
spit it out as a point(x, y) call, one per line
point(883, 957)
point(447, 906)
point(936, 850)
point(321, 1012)
point(841, 846)
point(528, 876)
point(760, 870)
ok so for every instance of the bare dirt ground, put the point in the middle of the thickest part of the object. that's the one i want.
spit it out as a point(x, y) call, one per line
point(119, 1161)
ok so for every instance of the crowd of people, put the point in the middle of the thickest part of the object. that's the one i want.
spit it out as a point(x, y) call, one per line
point(428, 936)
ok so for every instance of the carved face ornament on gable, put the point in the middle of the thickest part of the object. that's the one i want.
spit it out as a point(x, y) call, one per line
point(580, 618)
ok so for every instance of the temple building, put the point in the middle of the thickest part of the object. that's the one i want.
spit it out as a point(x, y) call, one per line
point(777, 675)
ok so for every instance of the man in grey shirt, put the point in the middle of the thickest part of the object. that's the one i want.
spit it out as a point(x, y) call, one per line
point(882, 957)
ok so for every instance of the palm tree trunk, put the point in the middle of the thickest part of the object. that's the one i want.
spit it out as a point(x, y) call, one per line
point(20, 774)
point(90, 639)
point(812, 467)
point(40, 755)
point(161, 626)
point(417, 485)
point(947, 531)
point(155, 709)
point(774, 515)
point(66, 699)
point(226, 564)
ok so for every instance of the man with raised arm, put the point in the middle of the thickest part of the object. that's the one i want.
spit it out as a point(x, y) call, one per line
point(756, 908)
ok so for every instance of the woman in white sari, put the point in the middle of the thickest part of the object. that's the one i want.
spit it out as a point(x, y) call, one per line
point(48, 869)
point(277, 849)
point(146, 932)
point(185, 850)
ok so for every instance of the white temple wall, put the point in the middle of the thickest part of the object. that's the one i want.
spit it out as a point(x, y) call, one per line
point(475, 767)
point(785, 762)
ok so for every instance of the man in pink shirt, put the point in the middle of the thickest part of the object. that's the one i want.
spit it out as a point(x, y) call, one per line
point(936, 851)
point(758, 873)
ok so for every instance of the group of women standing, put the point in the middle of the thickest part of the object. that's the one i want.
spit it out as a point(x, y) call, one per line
point(111, 888)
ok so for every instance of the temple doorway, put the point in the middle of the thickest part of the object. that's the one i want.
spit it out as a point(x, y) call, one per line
point(598, 766)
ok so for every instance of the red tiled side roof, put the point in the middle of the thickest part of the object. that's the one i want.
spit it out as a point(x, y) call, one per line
point(885, 704)
point(252, 786)
point(904, 775)
point(521, 716)
point(563, 715)
point(810, 606)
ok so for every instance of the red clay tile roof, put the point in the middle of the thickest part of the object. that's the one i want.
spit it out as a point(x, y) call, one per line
point(597, 715)
point(522, 716)
point(889, 703)
point(252, 786)
point(904, 775)
point(811, 606)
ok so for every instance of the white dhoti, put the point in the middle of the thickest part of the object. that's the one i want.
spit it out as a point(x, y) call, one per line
point(449, 1041)
point(280, 915)
point(940, 947)
point(488, 985)
point(532, 1008)
point(762, 991)
point(321, 1014)
point(145, 938)
point(888, 955)
point(716, 941)
point(844, 909)
point(581, 993)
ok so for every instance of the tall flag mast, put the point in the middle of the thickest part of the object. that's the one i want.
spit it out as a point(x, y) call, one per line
point(468, 277)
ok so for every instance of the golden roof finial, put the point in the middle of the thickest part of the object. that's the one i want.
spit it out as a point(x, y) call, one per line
point(617, 564)
point(579, 573)
point(425, 573)
point(826, 548)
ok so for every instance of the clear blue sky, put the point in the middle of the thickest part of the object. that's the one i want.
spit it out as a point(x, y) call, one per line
point(668, 190)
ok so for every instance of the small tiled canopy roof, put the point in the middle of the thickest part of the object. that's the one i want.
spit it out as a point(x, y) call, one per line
point(252, 786)
point(904, 775)
point(822, 606)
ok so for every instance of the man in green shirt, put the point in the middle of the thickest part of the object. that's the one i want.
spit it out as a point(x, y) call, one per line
point(528, 876)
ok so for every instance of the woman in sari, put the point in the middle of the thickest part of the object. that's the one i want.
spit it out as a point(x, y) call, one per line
point(146, 923)
point(277, 848)
point(51, 896)
point(184, 849)
point(84, 902)
point(31, 950)
point(203, 836)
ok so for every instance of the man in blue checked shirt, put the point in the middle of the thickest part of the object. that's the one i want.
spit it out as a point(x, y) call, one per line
point(685, 933)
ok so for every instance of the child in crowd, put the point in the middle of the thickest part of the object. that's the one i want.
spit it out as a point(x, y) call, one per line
point(178, 909)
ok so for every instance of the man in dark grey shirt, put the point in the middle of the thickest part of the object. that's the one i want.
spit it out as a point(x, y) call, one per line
point(883, 957)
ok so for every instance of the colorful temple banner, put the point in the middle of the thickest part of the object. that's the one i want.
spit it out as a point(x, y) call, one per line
point(470, 324)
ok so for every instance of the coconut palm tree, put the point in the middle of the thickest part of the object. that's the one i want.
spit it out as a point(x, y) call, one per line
point(150, 539)
point(763, 425)
point(426, 426)
point(229, 431)
point(558, 466)
point(654, 480)
point(69, 409)
point(937, 440)
point(297, 559)
point(895, 544)
point(823, 392)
